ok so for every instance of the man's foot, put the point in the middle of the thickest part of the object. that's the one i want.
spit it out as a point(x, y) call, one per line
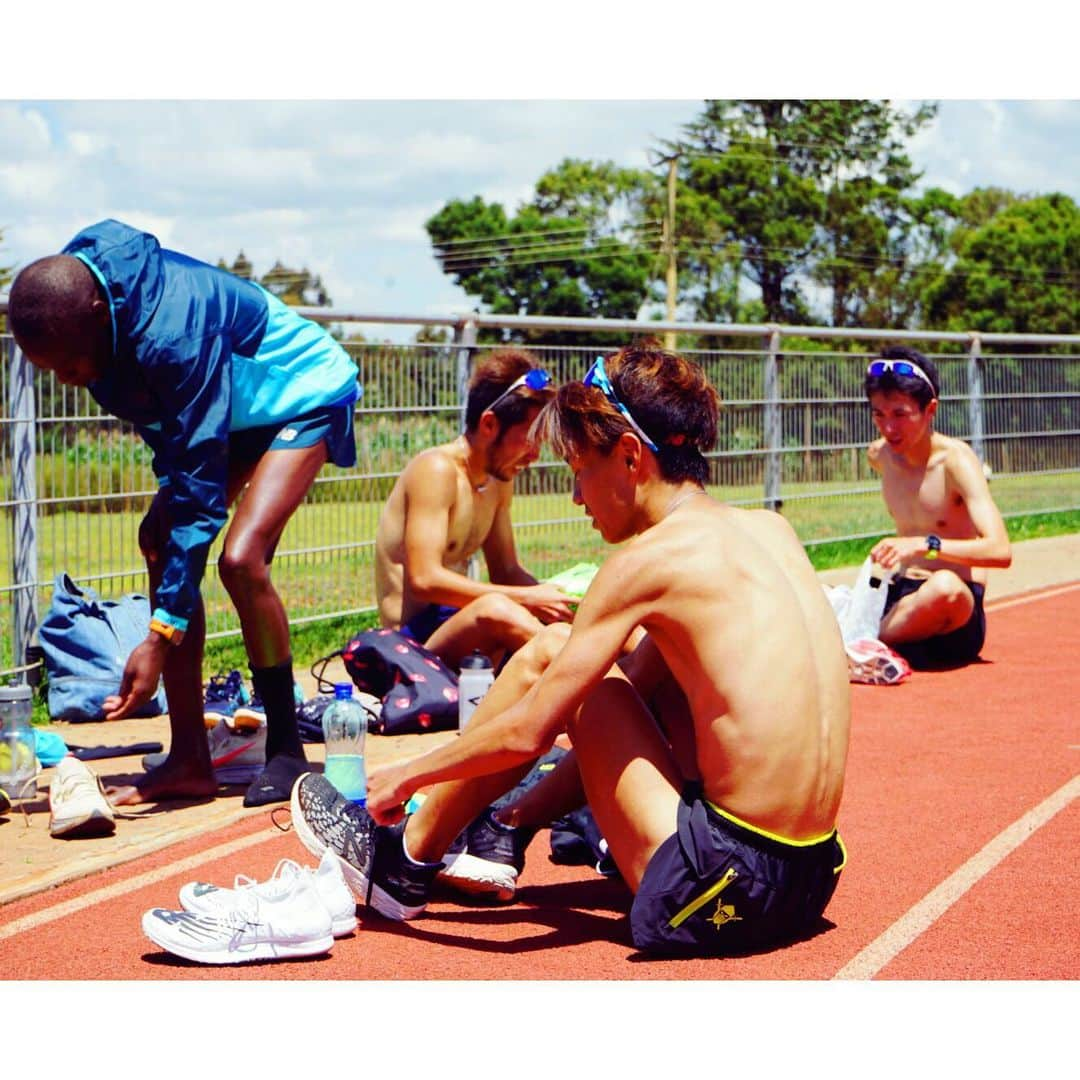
point(275, 782)
point(169, 782)
point(373, 856)
point(492, 860)
point(238, 757)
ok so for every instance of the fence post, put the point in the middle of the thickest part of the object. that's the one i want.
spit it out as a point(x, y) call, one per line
point(976, 400)
point(24, 563)
point(772, 420)
point(465, 342)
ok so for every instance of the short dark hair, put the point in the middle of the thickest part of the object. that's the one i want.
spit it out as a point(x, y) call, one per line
point(50, 300)
point(667, 394)
point(492, 374)
point(911, 385)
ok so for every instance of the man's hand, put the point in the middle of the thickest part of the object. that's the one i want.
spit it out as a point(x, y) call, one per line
point(140, 679)
point(388, 791)
point(895, 552)
point(548, 602)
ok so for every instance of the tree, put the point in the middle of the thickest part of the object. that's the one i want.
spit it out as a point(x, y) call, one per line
point(579, 247)
point(788, 192)
point(1015, 269)
point(299, 288)
point(5, 280)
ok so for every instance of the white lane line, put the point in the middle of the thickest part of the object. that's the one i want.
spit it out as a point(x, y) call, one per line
point(867, 963)
point(1001, 605)
point(120, 888)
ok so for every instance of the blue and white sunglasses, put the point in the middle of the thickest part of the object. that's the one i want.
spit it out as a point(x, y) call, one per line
point(534, 379)
point(899, 367)
point(597, 376)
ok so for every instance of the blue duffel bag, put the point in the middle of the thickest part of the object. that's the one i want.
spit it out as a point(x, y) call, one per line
point(86, 642)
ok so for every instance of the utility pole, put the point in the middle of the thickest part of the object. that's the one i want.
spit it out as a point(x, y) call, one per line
point(672, 274)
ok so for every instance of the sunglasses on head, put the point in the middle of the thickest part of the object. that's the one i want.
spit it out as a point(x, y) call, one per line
point(899, 367)
point(534, 379)
point(597, 376)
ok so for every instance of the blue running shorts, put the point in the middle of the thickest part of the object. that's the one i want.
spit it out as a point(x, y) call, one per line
point(333, 424)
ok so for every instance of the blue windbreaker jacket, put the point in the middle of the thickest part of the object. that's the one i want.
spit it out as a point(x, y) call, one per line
point(198, 353)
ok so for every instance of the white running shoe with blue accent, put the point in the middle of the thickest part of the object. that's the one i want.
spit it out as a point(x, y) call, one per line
point(287, 923)
point(203, 898)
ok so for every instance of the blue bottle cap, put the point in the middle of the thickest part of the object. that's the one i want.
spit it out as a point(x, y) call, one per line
point(342, 691)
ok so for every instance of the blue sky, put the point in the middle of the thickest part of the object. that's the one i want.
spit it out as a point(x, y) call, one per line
point(344, 186)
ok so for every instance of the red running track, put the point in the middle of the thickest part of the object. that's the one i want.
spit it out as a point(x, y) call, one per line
point(960, 816)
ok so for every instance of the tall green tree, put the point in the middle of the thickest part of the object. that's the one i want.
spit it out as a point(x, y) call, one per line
point(581, 246)
point(802, 190)
point(1014, 269)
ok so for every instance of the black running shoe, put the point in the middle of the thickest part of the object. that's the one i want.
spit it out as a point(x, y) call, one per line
point(491, 840)
point(492, 859)
point(372, 856)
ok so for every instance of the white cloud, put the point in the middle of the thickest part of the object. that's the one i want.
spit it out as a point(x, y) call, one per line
point(344, 187)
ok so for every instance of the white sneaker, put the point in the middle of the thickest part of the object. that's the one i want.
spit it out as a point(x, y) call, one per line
point(202, 898)
point(77, 803)
point(283, 923)
point(872, 661)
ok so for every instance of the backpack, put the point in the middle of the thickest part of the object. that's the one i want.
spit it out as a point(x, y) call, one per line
point(418, 691)
point(86, 642)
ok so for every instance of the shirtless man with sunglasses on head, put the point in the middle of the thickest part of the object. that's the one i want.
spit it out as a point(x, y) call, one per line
point(949, 531)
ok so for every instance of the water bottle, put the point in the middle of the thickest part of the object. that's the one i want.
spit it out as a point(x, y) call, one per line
point(344, 723)
point(474, 681)
point(18, 763)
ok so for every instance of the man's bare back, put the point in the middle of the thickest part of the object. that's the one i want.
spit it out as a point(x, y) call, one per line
point(738, 614)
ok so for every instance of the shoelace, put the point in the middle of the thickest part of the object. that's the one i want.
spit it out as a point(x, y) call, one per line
point(286, 870)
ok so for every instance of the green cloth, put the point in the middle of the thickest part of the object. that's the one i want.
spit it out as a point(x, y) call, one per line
point(576, 580)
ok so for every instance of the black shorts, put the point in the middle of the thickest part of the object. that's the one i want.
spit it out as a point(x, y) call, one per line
point(959, 646)
point(332, 425)
point(718, 885)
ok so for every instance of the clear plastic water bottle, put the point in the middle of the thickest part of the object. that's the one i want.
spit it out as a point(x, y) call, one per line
point(474, 681)
point(344, 723)
point(18, 762)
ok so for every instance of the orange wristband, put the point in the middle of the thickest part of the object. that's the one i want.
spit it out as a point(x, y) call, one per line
point(172, 634)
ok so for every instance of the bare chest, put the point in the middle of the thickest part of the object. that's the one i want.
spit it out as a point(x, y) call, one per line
point(470, 522)
point(923, 501)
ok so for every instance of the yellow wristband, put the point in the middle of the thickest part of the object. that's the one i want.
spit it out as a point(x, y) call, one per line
point(172, 634)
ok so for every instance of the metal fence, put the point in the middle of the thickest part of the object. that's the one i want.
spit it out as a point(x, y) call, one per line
point(794, 430)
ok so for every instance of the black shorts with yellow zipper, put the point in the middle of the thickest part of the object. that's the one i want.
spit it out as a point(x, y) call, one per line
point(718, 885)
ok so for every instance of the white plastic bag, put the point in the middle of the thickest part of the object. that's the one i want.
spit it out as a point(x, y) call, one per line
point(861, 615)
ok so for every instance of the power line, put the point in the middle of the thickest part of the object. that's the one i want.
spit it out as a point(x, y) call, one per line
point(569, 229)
point(500, 254)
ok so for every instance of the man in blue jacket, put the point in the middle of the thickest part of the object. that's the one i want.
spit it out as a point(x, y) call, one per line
point(228, 387)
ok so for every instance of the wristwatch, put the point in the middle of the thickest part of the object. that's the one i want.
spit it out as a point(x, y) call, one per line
point(933, 546)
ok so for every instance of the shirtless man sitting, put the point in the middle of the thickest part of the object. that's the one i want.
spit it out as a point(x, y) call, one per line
point(724, 824)
point(454, 500)
point(949, 529)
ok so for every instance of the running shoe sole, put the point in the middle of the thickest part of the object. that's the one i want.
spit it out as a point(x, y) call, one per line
point(479, 877)
point(200, 928)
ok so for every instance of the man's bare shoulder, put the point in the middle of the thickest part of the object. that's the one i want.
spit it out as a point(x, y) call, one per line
point(875, 454)
point(437, 464)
